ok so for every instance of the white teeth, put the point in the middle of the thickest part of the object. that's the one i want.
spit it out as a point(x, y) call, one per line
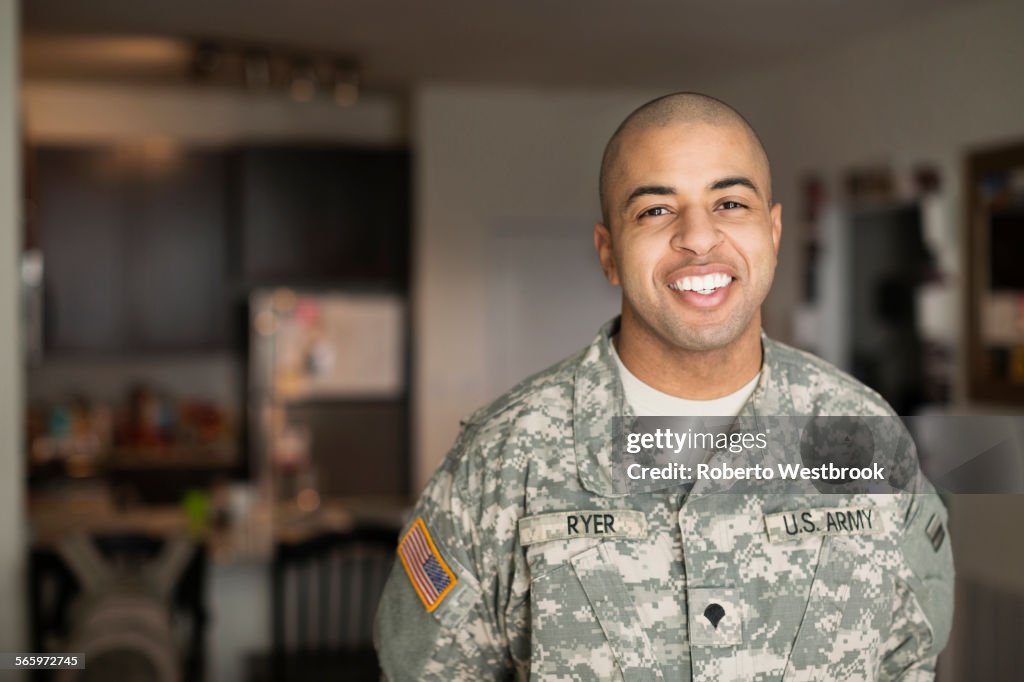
point(702, 284)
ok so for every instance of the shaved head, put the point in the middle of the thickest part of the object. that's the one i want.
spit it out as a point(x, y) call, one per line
point(675, 109)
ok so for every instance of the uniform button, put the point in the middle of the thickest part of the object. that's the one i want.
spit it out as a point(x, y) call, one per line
point(714, 613)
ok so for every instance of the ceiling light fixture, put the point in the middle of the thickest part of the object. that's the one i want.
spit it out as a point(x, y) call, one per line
point(302, 76)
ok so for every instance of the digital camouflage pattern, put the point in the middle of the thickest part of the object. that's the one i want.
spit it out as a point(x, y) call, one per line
point(696, 590)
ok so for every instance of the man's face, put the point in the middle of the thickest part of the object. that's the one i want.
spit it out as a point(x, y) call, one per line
point(693, 238)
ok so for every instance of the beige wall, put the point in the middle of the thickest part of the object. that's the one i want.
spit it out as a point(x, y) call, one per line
point(487, 158)
point(12, 481)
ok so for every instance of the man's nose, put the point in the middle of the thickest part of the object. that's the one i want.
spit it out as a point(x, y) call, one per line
point(696, 232)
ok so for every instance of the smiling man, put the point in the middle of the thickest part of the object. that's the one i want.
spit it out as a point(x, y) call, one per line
point(525, 558)
point(690, 233)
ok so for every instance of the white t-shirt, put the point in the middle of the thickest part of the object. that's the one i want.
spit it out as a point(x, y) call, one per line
point(650, 402)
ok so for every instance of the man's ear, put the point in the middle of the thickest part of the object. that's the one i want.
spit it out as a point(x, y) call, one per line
point(776, 213)
point(603, 244)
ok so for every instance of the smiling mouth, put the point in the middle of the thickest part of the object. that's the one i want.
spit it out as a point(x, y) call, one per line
point(702, 284)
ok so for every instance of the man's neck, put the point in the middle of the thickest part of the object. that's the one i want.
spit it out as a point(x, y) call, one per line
point(694, 375)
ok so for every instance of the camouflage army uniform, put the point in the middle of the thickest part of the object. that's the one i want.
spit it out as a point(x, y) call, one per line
point(512, 596)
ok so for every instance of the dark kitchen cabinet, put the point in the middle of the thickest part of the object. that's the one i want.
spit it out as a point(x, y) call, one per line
point(177, 296)
point(322, 215)
point(79, 217)
point(134, 243)
point(151, 247)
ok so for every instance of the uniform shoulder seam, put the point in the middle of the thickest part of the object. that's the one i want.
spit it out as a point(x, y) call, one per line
point(795, 357)
point(556, 375)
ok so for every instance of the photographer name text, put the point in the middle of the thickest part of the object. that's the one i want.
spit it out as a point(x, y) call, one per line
point(725, 472)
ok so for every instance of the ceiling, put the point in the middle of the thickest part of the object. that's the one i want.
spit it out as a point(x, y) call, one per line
point(574, 43)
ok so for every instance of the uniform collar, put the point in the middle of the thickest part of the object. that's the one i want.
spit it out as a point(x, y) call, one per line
point(598, 399)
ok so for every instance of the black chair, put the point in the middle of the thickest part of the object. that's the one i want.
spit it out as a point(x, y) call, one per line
point(53, 588)
point(324, 597)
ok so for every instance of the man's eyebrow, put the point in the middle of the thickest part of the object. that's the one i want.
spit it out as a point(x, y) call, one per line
point(726, 183)
point(643, 190)
point(665, 190)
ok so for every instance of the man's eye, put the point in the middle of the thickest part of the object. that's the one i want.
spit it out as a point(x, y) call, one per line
point(656, 211)
point(731, 204)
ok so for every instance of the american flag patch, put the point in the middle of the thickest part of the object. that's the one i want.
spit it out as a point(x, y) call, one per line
point(428, 572)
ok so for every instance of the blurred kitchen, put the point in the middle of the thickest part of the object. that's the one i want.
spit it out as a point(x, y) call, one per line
point(262, 257)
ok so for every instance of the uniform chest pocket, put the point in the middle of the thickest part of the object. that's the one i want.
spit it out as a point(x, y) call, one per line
point(841, 615)
point(586, 626)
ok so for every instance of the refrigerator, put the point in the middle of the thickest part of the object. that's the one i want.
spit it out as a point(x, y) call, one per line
point(328, 394)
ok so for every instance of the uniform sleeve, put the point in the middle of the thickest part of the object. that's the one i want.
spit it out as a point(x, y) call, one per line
point(922, 611)
point(438, 618)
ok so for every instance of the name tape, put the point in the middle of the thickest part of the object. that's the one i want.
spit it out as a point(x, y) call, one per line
point(592, 523)
point(801, 523)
